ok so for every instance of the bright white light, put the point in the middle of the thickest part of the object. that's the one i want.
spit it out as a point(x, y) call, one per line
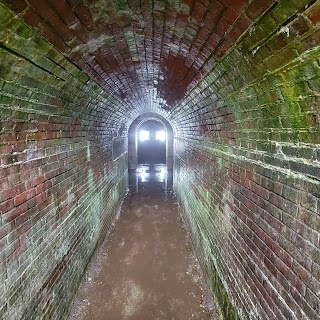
point(141, 169)
point(163, 170)
point(162, 174)
point(161, 135)
point(144, 176)
point(144, 135)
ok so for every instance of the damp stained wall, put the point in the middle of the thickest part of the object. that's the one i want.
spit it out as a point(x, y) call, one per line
point(248, 175)
point(59, 187)
point(239, 83)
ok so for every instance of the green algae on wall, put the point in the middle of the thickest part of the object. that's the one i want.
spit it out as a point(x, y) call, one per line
point(61, 190)
point(202, 217)
point(259, 165)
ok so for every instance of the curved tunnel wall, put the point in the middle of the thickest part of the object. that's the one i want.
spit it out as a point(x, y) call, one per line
point(246, 161)
point(248, 174)
point(59, 187)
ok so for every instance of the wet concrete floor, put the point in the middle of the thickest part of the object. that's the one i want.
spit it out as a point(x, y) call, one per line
point(145, 269)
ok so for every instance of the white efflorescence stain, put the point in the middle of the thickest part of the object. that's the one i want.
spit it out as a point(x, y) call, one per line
point(285, 30)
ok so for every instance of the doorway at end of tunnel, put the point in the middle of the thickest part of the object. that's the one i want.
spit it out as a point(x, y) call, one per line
point(152, 139)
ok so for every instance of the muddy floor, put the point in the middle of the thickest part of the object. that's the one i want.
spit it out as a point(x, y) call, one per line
point(145, 269)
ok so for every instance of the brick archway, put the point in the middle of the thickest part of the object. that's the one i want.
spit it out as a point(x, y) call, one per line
point(133, 143)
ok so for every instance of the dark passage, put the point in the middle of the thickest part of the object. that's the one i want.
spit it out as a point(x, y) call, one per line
point(146, 269)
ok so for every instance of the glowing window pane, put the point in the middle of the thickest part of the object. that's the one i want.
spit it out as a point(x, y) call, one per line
point(144, 135)
point(161, 135)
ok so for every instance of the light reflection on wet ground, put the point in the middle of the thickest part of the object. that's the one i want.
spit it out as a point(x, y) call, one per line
point(145, 269)
point(150, 177)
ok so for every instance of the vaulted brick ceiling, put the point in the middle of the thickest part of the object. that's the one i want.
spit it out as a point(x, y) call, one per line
point(148, 54)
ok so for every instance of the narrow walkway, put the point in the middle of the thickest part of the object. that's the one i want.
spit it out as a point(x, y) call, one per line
point(145, 270)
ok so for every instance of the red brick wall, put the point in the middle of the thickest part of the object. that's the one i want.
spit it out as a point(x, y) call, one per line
point(59, 187)
point(147, 53)
point(248, 167)
point(239, 80)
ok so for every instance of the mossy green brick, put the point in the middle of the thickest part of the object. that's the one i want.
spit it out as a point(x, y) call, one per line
point(4, 73)
point(287, 9)
point(309, 70)
point(41, 46)
point(267, 26)
point(21, 29)
point(16, 90)
point(5, 15)
point(121, 6)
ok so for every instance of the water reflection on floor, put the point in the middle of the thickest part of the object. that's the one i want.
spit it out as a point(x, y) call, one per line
point(148, 176)
point(145, 269)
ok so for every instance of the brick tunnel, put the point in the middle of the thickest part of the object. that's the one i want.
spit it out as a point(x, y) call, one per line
point(239, 83)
